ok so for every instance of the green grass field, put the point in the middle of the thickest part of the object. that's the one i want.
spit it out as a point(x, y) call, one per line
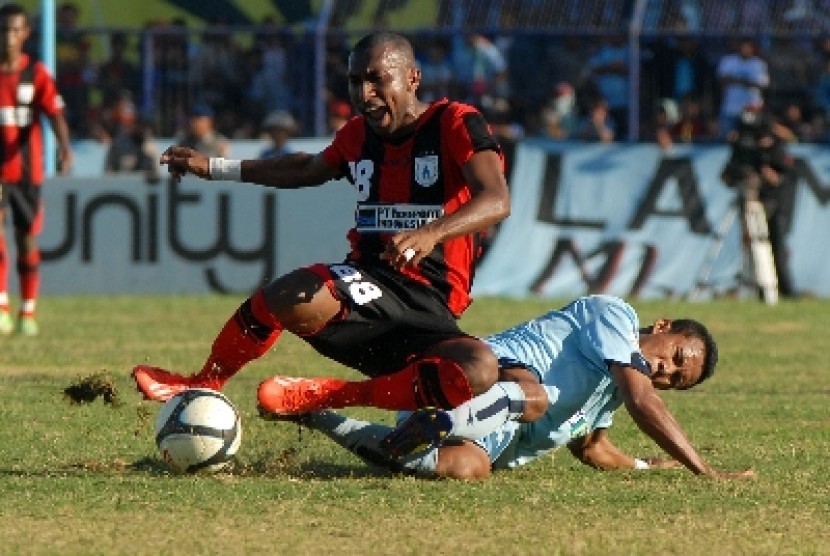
point(85, 479)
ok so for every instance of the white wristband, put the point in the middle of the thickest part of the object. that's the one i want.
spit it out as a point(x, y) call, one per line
point(640, 464)
point(225, 169)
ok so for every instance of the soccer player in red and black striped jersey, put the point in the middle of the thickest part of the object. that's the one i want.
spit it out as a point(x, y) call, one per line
point(26, 92)
point(429, 180)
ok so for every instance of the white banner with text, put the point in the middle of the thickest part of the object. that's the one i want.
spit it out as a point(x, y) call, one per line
point(620, 219)
point(632, 221)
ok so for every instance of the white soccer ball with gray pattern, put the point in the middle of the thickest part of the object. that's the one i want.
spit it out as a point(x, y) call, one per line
point(198, 430)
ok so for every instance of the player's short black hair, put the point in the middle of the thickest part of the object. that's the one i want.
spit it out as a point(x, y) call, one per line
point(695, 329)
point(11, 9)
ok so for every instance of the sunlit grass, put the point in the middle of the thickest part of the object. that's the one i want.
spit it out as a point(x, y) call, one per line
point(81, 479)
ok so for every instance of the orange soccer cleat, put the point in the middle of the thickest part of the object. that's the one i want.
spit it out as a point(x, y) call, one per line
point(158, 385)
point(285, 395)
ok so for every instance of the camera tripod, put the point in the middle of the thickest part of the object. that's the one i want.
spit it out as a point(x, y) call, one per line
point(758, 264)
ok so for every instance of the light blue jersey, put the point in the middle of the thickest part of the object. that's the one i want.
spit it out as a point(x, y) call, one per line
point(570, 350)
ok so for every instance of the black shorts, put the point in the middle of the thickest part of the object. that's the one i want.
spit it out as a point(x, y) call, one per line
point(26, 207)
point(387, 319)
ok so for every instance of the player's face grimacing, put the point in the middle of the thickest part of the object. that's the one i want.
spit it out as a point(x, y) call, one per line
point(382, 86)
point(676, 360)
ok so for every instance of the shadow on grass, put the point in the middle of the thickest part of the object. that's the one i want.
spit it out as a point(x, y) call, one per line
point(262, 469)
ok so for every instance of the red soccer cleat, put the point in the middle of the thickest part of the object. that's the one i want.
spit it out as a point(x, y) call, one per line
point(285, 395)
point(158, 385)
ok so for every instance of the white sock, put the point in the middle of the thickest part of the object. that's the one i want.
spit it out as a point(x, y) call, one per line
point(362, 438)
point(27, 306)
point(4, 299)
point(474, 419)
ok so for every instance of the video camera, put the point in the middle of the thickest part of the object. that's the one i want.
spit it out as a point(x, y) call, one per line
point(755, 145)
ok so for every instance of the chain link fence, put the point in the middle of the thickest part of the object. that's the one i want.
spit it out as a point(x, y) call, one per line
point(512, 57)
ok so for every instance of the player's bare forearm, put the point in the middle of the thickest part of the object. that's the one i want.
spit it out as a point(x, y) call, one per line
point(61, 131)
point(489, 204)
point(651, 415)
point(653, 418)
point(478, 214)
point(596, 450)
point(291, 171)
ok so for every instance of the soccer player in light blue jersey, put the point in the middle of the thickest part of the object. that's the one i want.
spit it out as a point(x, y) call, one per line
point(563, 375)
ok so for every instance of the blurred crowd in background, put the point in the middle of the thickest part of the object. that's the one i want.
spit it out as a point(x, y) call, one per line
point(534, 71)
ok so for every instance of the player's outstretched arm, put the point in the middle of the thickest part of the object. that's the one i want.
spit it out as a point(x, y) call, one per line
point(290, 171)
point(596, 450)
point(651, 415)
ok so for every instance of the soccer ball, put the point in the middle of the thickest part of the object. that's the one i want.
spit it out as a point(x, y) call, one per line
point(198, 430)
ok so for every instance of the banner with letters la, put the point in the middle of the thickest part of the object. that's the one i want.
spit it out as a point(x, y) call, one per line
point(636, 222)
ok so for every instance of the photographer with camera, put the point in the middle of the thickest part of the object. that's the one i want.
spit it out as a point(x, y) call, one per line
point(759, 168)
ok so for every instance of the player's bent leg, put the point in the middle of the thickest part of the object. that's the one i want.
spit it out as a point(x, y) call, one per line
point(464, 461)
point(474, 357)
point(536, 397)
point(302, 300)
point(248, 334)
point(286, 395)
point(522, 399)
point(426, 382)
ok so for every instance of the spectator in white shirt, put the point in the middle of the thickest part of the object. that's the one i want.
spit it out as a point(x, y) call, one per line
point(743, 76)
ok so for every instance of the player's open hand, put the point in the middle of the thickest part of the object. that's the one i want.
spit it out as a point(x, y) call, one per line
point(184, 160)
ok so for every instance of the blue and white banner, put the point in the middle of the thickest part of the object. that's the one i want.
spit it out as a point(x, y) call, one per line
point(620, 219)
point(632, 221)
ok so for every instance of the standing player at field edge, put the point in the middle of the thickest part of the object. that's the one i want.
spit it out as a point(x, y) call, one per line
point(389, 310)
point(26, 92)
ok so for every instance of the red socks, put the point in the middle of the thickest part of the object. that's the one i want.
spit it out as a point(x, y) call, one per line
point(426, 382)
point(253, 329)
point(28, 268)
point(247, 335)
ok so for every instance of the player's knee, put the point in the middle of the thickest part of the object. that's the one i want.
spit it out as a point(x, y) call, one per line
point(482, 369)
point(465, 462)
point(301, 301)
point(440, 382)
point(536, 401)
point(479, 364)
point(536, 397)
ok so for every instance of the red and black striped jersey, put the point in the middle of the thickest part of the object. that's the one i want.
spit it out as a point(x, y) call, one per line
point(405, 183)
point(25, 95)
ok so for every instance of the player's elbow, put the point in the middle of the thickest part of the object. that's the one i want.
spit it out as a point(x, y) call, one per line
point(590, 455)
point(502, 207)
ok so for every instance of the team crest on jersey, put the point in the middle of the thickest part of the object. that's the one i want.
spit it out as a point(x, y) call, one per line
point(426, 170)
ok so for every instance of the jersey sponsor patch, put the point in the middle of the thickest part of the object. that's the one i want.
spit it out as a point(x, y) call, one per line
point(577, 425)
point(394, 217)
